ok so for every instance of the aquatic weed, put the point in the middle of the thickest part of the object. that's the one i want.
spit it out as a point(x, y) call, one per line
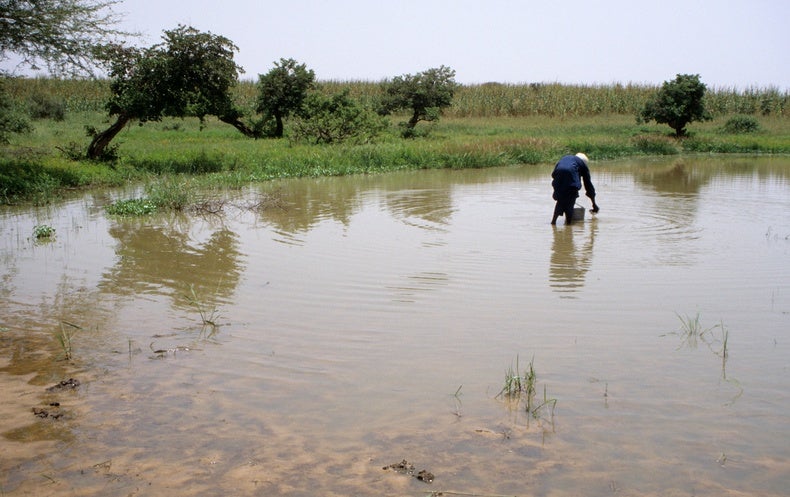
point(715, 338)
point(207, 317)
point(43, 232)
point(523, 387)
point(131, 207)
point(63, 337)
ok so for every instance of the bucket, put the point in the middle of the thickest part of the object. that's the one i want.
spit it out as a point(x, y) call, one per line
point(578, 213)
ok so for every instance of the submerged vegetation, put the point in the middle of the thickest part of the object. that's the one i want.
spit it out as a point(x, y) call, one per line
point(486, 125)
point(522, 387)
point(64, 336)
point(715, 338)
point(43, 232)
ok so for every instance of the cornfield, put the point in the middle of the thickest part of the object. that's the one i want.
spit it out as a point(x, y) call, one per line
point(484, 100)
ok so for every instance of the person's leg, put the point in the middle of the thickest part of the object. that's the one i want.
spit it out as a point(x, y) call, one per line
point(558, 211)
point(568, 208)
point(564, 207)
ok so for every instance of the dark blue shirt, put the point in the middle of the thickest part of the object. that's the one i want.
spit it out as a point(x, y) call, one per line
point(568, 175)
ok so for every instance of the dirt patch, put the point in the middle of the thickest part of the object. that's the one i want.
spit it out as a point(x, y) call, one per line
point(69, 384)
point(407, 468)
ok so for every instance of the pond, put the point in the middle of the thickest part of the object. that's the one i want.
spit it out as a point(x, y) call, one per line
point(317, 333)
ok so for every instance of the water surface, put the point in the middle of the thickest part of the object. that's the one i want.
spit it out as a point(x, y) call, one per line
point(366, 320)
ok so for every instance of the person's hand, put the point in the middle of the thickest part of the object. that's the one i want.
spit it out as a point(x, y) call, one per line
point(595, 208)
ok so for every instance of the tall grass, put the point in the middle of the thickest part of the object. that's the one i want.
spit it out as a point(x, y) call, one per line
point(480, 100)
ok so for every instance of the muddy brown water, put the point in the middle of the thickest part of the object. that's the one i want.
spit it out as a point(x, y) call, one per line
point(365, 321)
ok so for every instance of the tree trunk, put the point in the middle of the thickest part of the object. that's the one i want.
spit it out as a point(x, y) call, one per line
point(236, 123)
point(101, 140)
point(278, 126)
point(415, 118)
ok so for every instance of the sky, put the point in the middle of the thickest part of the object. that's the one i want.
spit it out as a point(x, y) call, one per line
point(729, 43)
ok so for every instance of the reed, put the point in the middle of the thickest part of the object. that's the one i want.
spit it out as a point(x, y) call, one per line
point(457, 401)
point(64, 336)
point(715, 338)
point(691, 329)
point(522, 387)
point(208, 316)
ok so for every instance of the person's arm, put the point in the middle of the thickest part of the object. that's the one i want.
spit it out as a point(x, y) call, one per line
point(589, 189)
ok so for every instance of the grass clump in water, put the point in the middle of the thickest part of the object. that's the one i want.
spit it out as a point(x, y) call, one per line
point(63, 337)
point(132, 207)
point(208, 314)
point(168, 194)
point(43, 232)
point(715, 338)
point(522, 387)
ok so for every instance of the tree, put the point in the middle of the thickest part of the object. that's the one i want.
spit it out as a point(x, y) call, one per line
point(189, 74)
point(60, 34)
point(282, 90)
point(425, 94)
point(677, 103)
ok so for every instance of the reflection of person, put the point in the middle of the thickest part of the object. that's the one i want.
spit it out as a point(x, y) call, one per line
point(569, 262)
point(567, 178)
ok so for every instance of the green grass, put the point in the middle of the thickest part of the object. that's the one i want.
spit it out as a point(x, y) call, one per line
point(522, 387)
point(64, 336)
point(475, 132)
point(716, 337)
point(43, 232)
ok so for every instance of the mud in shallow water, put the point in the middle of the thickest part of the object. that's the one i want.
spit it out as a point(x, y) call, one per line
point(366, 321)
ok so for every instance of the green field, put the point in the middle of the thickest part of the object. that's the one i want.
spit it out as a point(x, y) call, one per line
point(487, 125)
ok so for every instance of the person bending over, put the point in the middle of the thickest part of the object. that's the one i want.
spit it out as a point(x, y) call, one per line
point(567, 178)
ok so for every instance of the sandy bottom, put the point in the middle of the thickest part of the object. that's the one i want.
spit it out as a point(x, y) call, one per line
point(176, 439)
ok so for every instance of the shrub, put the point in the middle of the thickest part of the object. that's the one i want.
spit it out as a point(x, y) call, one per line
point(655, 145)
point(43, 107)
point(336, 118)
point(73, 151)
point(741, 124)
point(11, 120)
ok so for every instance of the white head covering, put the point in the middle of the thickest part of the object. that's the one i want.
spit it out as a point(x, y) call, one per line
point(584, 158)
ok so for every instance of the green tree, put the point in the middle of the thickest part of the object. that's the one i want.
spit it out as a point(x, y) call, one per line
point(425, 94)
point(190, 73)
point(282, 90)
point(677, 103)
point(336, 118)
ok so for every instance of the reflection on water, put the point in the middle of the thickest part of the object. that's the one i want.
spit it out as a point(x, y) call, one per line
point(368, 320)
point(169, 260)
point(571, 256)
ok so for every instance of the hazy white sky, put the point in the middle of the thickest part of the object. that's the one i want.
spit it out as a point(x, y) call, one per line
point(730, 43)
